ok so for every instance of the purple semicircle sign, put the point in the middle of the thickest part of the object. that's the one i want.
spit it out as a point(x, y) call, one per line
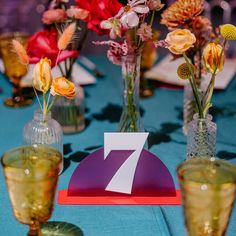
point(91, 177)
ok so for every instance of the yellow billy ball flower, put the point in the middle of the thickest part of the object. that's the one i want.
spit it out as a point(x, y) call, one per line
point(228, 31)
point(42, 75)
point(213, 58)
point(184, 71)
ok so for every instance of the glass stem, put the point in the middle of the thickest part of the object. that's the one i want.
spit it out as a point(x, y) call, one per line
point(34, 229)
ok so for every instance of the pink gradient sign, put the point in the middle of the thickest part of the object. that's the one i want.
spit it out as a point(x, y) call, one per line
point(121, 173)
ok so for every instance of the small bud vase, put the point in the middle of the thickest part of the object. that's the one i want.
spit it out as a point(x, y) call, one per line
point(130, 120)
point(44, 130)
point(70, 113)
point(201, 138)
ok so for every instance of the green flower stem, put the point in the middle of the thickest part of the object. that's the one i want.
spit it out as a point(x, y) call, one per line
point(194, 88)
point(131, 108)
point(152, 17)
point(51, 104)
point(61, 70)
point(44, 104)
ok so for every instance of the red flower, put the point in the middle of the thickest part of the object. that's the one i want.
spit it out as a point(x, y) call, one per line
point(99, 10)
point(44, 44)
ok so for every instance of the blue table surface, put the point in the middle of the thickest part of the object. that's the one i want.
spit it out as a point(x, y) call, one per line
point(162, 117)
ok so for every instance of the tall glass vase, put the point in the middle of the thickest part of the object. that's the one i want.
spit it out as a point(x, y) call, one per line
point(130, 120)
point(44, 130)
point(201, 138)
point(70, 113)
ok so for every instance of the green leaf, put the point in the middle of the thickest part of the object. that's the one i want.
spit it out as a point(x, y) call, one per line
point(57, 228)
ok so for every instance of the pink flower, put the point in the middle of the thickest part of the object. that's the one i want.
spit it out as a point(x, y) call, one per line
point(113, 25)
point(155, 5)
point(77, 13)
point(53, 16)
point(116, 50)
point(145, 32)
point(129, 14)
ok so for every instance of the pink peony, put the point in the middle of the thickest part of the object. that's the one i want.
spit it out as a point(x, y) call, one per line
point(53, 16)
point(77, 13)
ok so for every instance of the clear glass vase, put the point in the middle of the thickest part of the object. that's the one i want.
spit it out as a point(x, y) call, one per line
point(70, 113)
point(44, 130)
point(130, 120)
point(201, 138)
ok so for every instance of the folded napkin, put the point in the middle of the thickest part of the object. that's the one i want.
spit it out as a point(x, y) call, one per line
point(166, 72)
point(79, 75)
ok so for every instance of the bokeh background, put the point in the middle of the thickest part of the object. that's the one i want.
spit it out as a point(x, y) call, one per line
point(25, 15)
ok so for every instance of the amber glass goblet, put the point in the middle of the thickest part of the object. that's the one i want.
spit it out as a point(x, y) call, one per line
point(31, 174)
point(208, 188)
point(14, 70)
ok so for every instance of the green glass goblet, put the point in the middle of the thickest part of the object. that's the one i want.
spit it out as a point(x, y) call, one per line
point(31, 174)
point(208, 189)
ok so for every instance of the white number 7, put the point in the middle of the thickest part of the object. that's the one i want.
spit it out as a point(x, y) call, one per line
point(122, 181)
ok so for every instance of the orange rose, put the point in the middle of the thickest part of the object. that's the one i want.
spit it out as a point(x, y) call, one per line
point(42, 75)
point(180, 40)
point(63, 87)
point(212, 59)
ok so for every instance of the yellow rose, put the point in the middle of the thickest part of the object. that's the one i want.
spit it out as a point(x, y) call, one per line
point(63, 87)
point(212, 59)
point(180, 40)
point(42, 75)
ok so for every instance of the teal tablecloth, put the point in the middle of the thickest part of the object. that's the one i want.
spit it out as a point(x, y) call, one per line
point(162, 117)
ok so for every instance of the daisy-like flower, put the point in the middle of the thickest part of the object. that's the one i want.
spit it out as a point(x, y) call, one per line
point(129, 14)
point(181, 12)
point(145, 32)
point(113, 24)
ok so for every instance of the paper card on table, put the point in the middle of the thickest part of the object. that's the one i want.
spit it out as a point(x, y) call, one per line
point(121, 170)
point(79, 75)
point(166, 72)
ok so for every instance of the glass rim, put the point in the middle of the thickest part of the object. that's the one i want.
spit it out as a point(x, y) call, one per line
point(200, 160)
point(34, 147)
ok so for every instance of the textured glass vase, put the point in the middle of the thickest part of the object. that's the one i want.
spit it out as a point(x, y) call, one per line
point(130, 120)
point(70, 113)
point(201, 138)
point(44, 130)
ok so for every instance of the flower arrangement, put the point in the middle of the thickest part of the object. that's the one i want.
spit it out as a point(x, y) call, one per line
point(45, 43)
point(187, 15)
point(180, 41)
point(129, 30)
point(42, 74)
point(130, 25)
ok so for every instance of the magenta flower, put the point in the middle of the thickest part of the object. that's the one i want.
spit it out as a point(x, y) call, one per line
point(129, 14)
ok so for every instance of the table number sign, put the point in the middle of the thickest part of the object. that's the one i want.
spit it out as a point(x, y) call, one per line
point(121, 173)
